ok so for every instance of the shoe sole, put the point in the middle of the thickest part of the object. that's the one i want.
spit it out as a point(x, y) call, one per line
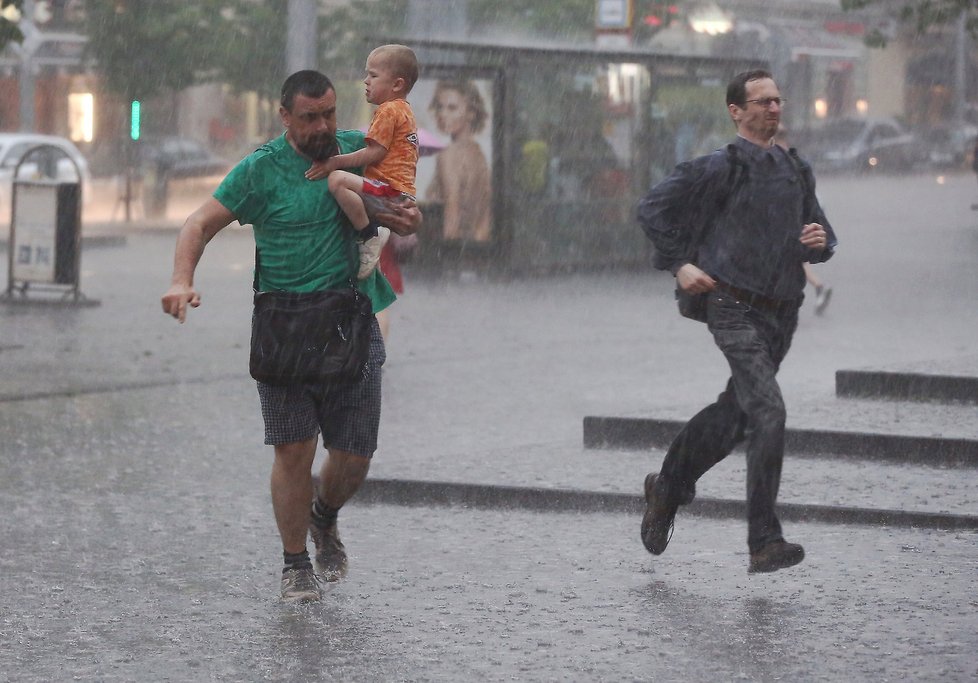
point(786, 561)
point(365, 270)
point(824, 303)
point(329, 576)
point(650, 480)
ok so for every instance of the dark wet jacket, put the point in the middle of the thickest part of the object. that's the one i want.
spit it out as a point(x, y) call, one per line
point(737, 214)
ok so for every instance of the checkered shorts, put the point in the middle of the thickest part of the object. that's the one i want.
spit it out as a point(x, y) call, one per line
point(348, 415)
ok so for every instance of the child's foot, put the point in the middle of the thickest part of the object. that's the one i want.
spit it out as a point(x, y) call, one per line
point(370, 252)
point(822, 296)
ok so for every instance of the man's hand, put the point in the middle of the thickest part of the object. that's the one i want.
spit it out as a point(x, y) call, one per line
point(404, 217)
point(693, 280)
point(177, 298)
point(814, 236)
point(321, 169)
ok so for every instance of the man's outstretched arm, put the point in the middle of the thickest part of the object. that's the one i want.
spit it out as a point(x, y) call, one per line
point(199, 228)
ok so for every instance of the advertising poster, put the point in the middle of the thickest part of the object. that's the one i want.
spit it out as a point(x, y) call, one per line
point(455, 123)
point(35, 218)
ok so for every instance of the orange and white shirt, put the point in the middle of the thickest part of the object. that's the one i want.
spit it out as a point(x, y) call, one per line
point(394, 128)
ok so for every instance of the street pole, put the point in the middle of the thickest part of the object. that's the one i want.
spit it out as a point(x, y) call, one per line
point(27, 67)
point(960, 73)
point(302, 34)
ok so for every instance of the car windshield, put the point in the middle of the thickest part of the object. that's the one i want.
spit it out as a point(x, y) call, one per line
point(840, 132)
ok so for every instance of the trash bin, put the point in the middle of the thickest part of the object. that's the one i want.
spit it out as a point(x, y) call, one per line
point(44, 252)
point(46, 232)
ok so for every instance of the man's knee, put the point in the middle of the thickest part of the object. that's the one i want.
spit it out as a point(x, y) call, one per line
point(770, 416)
point(296, 454)
point(350, 465)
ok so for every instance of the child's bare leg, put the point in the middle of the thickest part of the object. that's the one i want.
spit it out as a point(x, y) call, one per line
point(345, 188)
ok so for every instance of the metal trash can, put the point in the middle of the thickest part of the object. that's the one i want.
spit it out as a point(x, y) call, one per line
point(47, 226)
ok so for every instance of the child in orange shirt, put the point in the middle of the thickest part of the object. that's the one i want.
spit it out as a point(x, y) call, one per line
point(390, 157)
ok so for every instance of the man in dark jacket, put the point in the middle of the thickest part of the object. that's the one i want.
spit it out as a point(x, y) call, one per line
point(735, 228)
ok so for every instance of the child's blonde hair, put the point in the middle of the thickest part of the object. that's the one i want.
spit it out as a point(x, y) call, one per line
point(401, 61)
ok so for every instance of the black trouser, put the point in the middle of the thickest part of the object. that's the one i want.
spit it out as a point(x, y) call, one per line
point(754, 341)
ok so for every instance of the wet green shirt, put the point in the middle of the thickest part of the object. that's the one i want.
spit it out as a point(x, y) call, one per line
point(304, 240)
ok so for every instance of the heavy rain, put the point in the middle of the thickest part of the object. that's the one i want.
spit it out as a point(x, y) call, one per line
point(537, 368)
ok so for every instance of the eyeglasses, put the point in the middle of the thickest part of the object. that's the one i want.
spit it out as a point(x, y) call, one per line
point(766, 102)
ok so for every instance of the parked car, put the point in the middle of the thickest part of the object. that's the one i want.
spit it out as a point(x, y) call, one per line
point(861, 145)
point(948, 147)
point(57, 164)
point(167, 160)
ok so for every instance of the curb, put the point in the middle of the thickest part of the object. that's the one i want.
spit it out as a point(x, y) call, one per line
point(905, 386)
point(640, 433)
point(488, 497)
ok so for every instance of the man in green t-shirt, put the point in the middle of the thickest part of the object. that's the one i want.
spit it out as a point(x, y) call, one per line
point(305, 244)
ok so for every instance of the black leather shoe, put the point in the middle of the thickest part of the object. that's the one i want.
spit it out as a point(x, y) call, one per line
point(660, 515)
point(775, 556)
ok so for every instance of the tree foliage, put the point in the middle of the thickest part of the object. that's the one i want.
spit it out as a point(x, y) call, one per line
point(560, 17)
point(569, 19)
point(252, 45)
point(145, 48)
point(920, 15)
point(9, 31)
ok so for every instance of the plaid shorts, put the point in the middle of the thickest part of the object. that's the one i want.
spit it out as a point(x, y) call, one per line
point(348, 415)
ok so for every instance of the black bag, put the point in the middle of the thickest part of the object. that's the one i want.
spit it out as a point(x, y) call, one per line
point(314, 337)
point(692, 306)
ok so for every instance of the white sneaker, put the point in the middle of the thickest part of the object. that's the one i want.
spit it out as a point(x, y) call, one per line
point(370, 252)
point(822, 296)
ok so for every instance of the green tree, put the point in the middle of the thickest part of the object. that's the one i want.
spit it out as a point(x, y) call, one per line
point(143, 49)
point(920, 15)
point(557, 18)
point(9, 31)
point(568, 19)
point(250, 56)
point(251, 43)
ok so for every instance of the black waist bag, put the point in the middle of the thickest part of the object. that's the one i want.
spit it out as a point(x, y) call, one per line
point(317, 337)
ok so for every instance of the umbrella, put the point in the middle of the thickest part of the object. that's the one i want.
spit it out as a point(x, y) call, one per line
point(429, 143)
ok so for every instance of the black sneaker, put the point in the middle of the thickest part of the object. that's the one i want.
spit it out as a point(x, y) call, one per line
point(660, 515)
point(330, 553)
point(775, 556)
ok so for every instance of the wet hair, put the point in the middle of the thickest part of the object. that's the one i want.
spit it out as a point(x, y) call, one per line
point(401, 61)
point(308, 83)
point(470, 95)
point(737, 88)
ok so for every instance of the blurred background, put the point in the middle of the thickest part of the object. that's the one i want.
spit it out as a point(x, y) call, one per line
point(586, 102)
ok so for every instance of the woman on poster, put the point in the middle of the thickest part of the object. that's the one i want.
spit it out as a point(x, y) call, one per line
point(462, 181)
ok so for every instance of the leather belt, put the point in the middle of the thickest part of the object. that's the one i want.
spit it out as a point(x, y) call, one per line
point(759, 301)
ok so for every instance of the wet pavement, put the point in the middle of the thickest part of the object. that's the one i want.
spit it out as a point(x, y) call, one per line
point(139, 543)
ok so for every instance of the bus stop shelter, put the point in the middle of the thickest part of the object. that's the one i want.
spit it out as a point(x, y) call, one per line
point(555, 144)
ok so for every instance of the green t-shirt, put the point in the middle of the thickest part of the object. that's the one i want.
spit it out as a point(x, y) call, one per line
point(305, 242)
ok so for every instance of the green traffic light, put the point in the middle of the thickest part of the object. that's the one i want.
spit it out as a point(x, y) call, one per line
point(134, 120)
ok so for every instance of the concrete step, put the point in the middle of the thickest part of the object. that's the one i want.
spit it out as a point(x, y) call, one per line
point(636, 432)
point(495, 497)
point(905, 386)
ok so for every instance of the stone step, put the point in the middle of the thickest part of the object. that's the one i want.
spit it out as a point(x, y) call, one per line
point(640, 433)
point(905, 386)
point(495, 497)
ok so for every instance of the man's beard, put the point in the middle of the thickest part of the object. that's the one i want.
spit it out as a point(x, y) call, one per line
point(319, 147)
